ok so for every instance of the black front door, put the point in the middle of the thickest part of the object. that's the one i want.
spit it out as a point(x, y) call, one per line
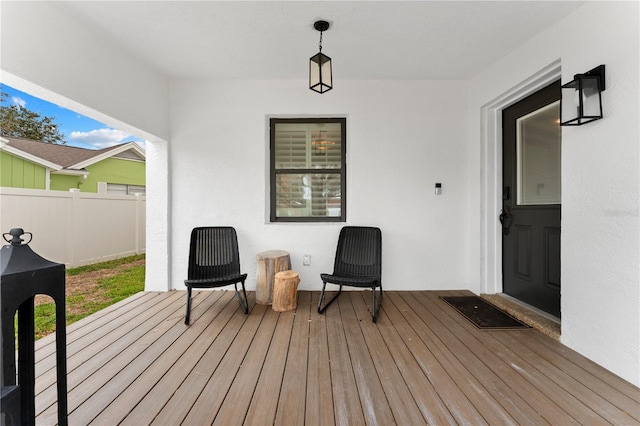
point(532, 199)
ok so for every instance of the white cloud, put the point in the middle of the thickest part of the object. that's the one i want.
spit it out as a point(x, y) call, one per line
point(21, 103)
point(100, 138)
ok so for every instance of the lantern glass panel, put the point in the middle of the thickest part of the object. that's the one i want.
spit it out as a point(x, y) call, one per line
point(314, 72)
point(326, 72)
point(591, 105)
point(570, 103)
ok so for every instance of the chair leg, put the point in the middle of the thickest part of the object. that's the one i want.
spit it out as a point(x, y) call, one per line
point(321, 308)
point(375, 307)
point(188, 313)
point(244, 303)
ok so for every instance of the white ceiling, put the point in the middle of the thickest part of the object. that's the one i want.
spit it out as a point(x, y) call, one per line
point(275, 39)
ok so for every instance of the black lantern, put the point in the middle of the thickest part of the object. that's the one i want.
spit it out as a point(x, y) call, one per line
point(320, 76)
point(581, 100)
point(23, 274)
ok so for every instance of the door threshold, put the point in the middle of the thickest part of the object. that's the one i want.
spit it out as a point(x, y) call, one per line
point(546, 315)
point(530, 315)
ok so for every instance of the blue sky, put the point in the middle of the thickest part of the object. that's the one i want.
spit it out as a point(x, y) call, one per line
point(78, 130)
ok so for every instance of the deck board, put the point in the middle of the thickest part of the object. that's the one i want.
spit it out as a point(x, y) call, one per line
point(129, 365)
point(429, 389)
point(86, 357)
point(241, 391)
point(507, 363)
point(213, 394)
point(137, 363)
point(264, 403)
point(466, 397)
point(127, 400)
point(159, 393)
point(186, 392)
point(319, 408)
point(591, 376)
point(346, 403)
point(373, 400)
point(400, 400)
point(532, 405)
point(291, 404)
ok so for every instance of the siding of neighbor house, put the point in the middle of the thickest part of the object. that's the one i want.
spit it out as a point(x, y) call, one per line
point(114, 170)
point(18, 173)
point(64, 182)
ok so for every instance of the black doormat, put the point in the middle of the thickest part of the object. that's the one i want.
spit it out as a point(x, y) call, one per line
point(482, 314)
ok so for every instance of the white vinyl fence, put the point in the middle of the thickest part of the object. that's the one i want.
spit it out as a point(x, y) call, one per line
point(76, 228)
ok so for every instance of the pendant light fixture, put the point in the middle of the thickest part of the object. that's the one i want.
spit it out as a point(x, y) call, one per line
point(320, 76)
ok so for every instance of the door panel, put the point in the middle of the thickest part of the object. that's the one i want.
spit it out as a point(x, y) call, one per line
point(523, 251)
point(552, 245)
point(532, 200)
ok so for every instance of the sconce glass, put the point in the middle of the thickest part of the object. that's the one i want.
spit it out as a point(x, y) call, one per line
point(581, 100)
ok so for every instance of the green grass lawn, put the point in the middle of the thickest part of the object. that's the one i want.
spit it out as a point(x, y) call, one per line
point(122, 279)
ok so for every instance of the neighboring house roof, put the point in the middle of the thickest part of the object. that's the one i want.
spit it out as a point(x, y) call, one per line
point(63, 157)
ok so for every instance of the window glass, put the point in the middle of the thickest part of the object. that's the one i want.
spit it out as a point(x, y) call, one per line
point(136, 189)
point(116, 188)
point(539, 156)
point(307, 169)
point(308, 145)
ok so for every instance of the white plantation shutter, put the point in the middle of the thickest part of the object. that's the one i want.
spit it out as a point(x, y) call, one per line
point(307, 162)
point(291, 146)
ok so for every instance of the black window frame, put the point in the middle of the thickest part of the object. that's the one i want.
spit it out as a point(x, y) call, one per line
point(342, 171)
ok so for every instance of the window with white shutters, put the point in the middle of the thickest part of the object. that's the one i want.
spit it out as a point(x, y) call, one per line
point(123, 189)
point(308, 170)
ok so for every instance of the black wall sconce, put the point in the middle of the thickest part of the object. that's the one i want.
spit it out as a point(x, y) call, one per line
point(320, 75)
point(581, 101)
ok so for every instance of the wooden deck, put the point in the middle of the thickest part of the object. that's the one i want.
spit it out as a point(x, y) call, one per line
point(136, 363)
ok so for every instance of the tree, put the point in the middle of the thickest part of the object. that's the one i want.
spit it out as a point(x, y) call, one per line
point(20, 122)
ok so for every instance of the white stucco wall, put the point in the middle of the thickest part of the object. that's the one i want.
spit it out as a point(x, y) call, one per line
point(600, 184)
point(402, 138)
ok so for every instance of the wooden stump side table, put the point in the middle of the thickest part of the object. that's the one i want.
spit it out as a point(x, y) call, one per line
point(269, 263)
point(285, 291)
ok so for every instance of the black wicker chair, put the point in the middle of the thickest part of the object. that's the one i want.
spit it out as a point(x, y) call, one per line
point(214, 261)
point(358, 263)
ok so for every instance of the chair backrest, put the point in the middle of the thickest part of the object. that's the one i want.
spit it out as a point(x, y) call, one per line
point(213, 252)
point(359, 252)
